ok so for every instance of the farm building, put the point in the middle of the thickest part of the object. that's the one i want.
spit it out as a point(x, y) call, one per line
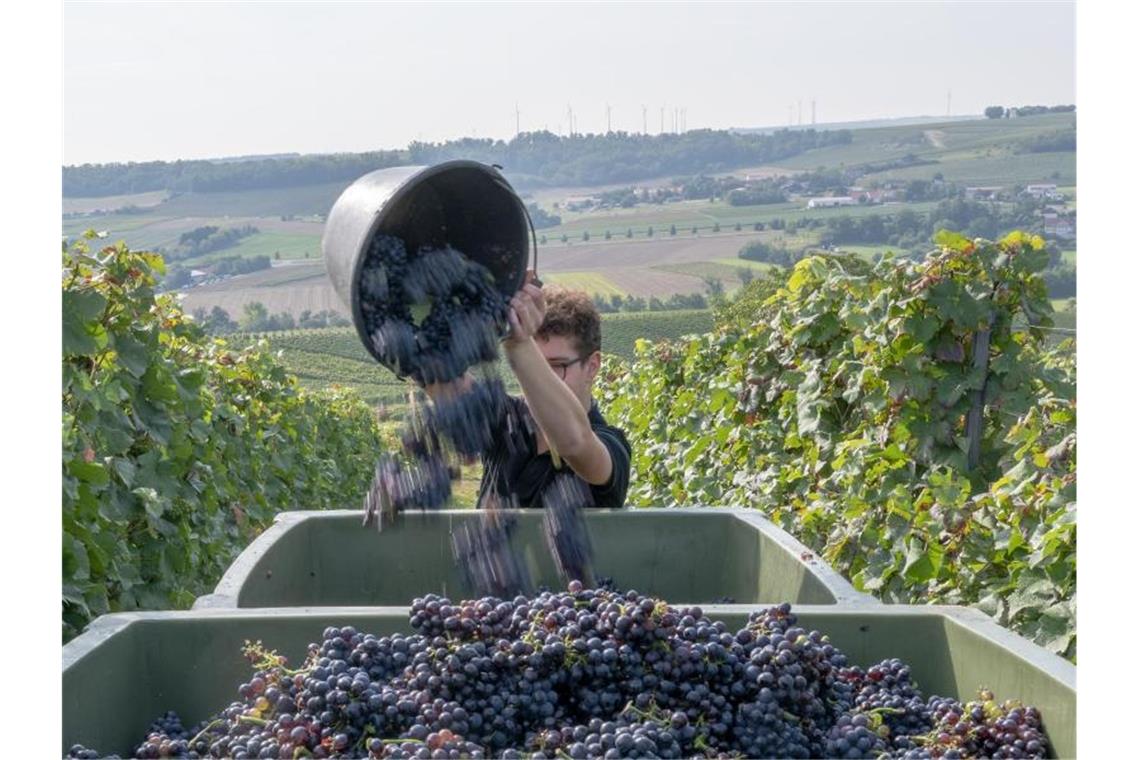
point(1043, 191)
point(831, 202)
point(1059, 226)
point(983, 193)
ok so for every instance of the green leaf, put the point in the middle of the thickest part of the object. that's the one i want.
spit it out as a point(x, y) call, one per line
point(80, 331)
point(133, 355)
point(89, 472)
point(75, 564)
point(125, 469)
point(952, 240)
point(919, 566)
point(158, 385)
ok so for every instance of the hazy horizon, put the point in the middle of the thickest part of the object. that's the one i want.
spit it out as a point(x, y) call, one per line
point(150, 81)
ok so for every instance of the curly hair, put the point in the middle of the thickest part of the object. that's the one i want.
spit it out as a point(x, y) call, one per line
point(572, 314)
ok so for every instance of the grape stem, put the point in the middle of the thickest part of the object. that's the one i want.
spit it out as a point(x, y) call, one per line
point(206, 730)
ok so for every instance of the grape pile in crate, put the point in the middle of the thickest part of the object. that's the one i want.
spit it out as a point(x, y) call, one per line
point(465, 316)
point(592, 673)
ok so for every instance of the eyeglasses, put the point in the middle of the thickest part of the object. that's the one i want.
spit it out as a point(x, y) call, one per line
point(561, 367)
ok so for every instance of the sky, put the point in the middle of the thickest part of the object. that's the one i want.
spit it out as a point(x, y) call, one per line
point(147, 81)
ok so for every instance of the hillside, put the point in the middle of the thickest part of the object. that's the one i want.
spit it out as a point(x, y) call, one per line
point(652, 248)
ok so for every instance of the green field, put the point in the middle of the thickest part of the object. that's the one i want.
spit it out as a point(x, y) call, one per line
point(275, 202)
point(704, 214)
point(997, 170)
point(757, 265)
point(929, 141)
point(111, 202)
point(620, 332)
point(1069, 256)
point(594, 283)
point(116, 225)
point(725, 270)
point(275, 245)
point(867, 251)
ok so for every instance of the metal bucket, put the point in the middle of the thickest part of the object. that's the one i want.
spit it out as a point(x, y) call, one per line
point(465, 204)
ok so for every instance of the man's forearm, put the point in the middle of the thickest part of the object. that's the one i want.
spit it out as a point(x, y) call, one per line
point(554, 406)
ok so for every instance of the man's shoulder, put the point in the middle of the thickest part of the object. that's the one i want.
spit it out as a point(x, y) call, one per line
point(599, 425)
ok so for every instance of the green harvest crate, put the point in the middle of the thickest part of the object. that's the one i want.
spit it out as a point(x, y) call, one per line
point(693, 555)
point(129, 668)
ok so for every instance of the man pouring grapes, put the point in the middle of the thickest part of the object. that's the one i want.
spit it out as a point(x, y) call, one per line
point(554, 350)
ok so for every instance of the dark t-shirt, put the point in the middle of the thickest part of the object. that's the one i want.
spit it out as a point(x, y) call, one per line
point(514, 469)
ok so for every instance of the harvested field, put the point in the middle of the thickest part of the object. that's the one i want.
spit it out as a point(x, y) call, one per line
point(112, 202)
point(651, 282)
point(645, 253)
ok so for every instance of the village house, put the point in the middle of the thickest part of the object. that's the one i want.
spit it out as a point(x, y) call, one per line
point(1059, 226)
point(983, 193)
point(1043, 191)
point(831, 202)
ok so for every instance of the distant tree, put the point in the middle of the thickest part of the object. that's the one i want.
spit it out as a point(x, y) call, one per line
point(277, 255)
point(542, 239)
point(738, 226)
point(649, 232)
point(716, 227)
point(714, 287)
point(541, 219)
point(255, 317)
point(176, 277)
point(672, 229)
point(607, 234)
point(745, 275)
point(694, 229)
point(758, 226)
point(565, 239)
point(634, 303)
point(995, 112)
point(629, 232)
point(219, 321)
point(586, 235)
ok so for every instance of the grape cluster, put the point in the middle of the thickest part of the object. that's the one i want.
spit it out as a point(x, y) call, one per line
point(469, 420)
point(483, 551)
point(421, 477)
point(587, 673)
point(467, 311)
point(564, 526)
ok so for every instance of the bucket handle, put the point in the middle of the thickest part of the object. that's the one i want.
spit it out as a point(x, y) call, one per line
point(534, 241)
point(533, 236)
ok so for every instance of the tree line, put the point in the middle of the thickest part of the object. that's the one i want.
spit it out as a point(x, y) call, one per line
point(615, 303)
point(1002, 112)
point(255, 317)
point(532, 159)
